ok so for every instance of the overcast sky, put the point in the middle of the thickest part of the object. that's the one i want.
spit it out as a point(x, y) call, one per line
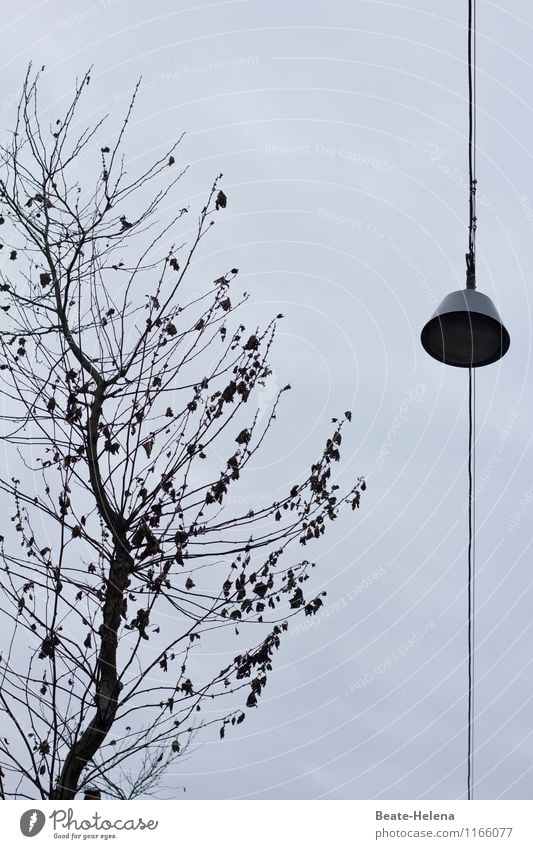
point(340, 128)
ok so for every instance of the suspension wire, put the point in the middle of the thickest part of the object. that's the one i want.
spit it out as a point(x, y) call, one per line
point(471, 284)
point(471, 573)
point(472, 219)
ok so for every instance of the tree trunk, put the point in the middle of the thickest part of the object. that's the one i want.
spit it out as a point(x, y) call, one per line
point(107, 685)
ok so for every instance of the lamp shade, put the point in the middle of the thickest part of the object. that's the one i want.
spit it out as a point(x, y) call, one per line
point(465, 331)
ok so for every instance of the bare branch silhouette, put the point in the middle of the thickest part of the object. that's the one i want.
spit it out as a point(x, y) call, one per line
point(119, 393)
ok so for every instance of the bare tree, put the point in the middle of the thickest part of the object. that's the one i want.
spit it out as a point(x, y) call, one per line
point(118, 396)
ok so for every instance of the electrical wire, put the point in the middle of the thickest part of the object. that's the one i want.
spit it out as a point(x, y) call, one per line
point(471, 574)
point(472, 222)
point(471, 284)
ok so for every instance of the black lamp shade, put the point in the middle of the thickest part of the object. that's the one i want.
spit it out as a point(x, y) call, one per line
point(465, 331)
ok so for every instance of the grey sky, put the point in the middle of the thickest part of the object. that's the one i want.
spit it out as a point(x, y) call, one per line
point(340, 129)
